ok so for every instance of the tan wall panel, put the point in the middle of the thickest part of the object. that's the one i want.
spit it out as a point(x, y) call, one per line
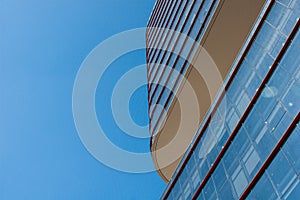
point(223, 40)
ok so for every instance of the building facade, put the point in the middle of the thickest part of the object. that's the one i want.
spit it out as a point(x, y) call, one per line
point(245, 144)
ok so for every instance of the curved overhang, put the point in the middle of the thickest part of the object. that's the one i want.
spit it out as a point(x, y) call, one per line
point(228, 29)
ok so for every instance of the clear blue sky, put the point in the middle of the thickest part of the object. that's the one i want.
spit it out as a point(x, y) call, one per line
point(42, 45)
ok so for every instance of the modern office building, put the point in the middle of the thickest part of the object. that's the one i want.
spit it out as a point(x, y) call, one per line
point(224, 98)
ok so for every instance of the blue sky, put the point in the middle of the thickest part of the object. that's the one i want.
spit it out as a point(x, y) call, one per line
point(42, 45)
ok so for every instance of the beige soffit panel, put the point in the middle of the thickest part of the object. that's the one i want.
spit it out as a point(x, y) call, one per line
point(225, 36)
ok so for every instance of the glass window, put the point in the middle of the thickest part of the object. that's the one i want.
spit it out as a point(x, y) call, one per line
point(233, 120)
point(191, 163)
point(199, 20)
point(191, 17)
point(254, 124)
point(244, 72)
point(222, 139)
point(203, 168)
point(282, 126)
point(184, 177)
point(261, 134)
point(176, 190)
point(198, 154)
point(263, 67)
point(290, 22)
point(200, 197)
point(234, 90)
point(297, 76)
point(239, 180)
point(279, 81)
point(275, 116)
point(277, 44)
point(173, 76)
point(212, 155)
point(179, 44)
point(230, 160)
point(292, 149)
point(177, 4)
point(291, 59)
point(180, 64)
point(183, 18)
point(241, 142)
point(209, 190)
point(161, 65)
point(168, 101)
point(243, 102)
point(291, 99)
point(267, 31)
point(224, 106)
point(295, 5)
point(169, 12)
point(187, 191)
point(293, 192)
point(265, 144)
point(251, 161)
point(263, 189)
point(195, 179)
point(220, 176)
point(256, 52)
point(252, 84)
point(216, 123)
point(278, 15)
point(156, 94)
point(281, 173)
point(285, 2)
point(204, 11)
point(226, 192)
point(164, 40)
point(208, 144)
point(165, 94)
point(266, 102)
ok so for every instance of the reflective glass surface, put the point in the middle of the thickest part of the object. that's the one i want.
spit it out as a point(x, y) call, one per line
point(270, 116)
